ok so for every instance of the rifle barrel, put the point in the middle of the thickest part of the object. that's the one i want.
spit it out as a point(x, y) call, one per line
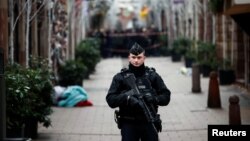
point(131, 82)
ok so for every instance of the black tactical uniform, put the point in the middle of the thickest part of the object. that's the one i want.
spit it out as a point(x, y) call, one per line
point(133, 123)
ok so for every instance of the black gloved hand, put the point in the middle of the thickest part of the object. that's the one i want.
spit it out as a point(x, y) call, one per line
point(150, 98)
point(129, 93)
point(131, 99)
point(133, 102)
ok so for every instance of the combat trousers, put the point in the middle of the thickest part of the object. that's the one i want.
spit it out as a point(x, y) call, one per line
point(137, 131)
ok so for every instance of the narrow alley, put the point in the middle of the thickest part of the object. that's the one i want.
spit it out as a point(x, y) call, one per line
point(185, 118)
point(200, 48)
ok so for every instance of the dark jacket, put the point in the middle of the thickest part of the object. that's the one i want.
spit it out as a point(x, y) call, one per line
point(116, 98)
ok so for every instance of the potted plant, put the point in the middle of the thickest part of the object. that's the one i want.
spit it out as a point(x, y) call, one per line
point(88, 53)
point(28, 97)
point(176, 51)
point(226, 73)
point(180, 46)
point(17, 99)
point(207, 66)
point(41, 87)
point(72, 73)
point(190, 55)
point(207, 58)
point(164, 50)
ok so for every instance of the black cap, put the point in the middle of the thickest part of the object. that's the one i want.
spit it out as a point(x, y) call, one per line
point(136, 49)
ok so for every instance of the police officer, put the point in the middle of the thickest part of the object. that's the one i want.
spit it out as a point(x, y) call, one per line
point(132, 120)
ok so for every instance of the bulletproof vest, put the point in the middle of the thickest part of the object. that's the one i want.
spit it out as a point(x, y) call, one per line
point(144, 82)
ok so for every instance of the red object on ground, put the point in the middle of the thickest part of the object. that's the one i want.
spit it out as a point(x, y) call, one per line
point(84, 103)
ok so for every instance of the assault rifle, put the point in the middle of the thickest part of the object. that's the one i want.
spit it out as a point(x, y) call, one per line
point(151, 116)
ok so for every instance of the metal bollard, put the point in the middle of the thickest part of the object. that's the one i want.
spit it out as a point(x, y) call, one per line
point(213, 91)
point(196, 87)
point(234, 111)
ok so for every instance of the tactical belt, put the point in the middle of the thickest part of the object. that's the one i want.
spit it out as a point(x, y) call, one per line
point(133, 119)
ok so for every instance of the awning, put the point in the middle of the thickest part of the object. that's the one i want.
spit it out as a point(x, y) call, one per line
point(241, 15)
point(238, 9)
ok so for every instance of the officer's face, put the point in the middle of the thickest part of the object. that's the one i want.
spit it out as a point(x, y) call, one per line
point(136, 60)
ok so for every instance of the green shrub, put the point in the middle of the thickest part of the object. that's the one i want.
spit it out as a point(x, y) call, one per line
point(164, 49)
point(88, 52)
point(181, 45)
point(44, 88)
point(18, 97)
point(72, 73)
point(207, 54)
point(191, 51)
point(28, 94)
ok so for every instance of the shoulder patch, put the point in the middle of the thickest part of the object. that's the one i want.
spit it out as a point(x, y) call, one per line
point(124, 70)
point(151, 69)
